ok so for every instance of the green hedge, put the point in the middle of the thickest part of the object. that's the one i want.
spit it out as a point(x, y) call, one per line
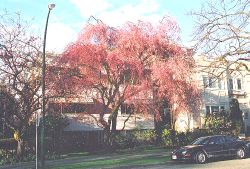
point(134, 138)
point(172, 138)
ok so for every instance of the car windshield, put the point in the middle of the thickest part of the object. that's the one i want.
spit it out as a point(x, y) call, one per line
point(201, 141)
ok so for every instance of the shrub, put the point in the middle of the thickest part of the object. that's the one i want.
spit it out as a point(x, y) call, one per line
point(8, 149)
point(124, 140)
point(191, 136)
point(169, 137)
point(145, 137)
point(173, 138)
point(181, 139)
point(237, 127)
point(6, 157)
point(137, 137)
point(8, 144)
point(221, 123)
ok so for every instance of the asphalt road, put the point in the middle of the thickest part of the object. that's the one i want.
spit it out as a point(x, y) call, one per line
point(226, 164)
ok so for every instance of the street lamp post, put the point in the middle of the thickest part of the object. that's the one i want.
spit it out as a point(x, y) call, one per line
point(50, 6)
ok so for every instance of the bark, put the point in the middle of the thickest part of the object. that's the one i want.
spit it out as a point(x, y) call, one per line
point(20, 149)
point(107, 138)
point(114, 122)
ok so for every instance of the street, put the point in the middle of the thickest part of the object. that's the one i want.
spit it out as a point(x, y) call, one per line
point(227, 164)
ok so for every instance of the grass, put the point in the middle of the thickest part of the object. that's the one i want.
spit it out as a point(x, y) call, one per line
point(125, 158)
point(120, 152)
point(116, 163)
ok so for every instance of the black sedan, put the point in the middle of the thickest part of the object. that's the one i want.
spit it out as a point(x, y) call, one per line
point(211, 147)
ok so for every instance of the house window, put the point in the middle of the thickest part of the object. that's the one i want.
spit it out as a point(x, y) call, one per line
point(130, 77)
point(222, 108)
point(246, 115)
point(75, 108)
point(214, 109)
point(230, 83)
point(208, 110)
point(205, 81)
point(127, 109)
point(69, 107)
point(211, 82)
point(220, 84)
point(239, 87)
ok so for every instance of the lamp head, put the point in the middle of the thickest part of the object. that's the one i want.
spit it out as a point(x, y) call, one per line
point(51, 6)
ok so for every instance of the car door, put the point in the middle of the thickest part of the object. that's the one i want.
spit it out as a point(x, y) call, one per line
point(231, 144)
point(215, 147)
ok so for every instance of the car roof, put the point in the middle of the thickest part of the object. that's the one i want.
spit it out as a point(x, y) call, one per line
point(219, 135)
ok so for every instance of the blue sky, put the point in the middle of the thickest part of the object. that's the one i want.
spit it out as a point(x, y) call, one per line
point(70, 16)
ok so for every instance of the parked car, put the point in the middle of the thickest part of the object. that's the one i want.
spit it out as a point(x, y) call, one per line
point(214, 146)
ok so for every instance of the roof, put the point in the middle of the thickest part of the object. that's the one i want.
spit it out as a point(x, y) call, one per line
point(79, 125)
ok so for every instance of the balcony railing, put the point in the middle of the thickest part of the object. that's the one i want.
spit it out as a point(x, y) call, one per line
point(237, 92)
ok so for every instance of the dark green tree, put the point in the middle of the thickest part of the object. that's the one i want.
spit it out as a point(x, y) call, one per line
point(236, 114)
point(8, 111)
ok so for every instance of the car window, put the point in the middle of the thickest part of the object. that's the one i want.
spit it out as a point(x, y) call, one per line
point(201, 141)
point(230, 139)
point(212, 140)
point(216, 140)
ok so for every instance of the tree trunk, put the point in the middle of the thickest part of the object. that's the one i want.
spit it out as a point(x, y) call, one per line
point(107, 138)
point(20, 149)
point(110, 129)
point(114, 122)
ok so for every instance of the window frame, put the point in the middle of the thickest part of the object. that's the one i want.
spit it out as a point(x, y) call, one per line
point(229, 139)
point(126, 109)
point(211, 82)
point(231, 84)
point(239, 84)
point(217, 140)
point(246, 115)
point(209, 108)
point(69, 108)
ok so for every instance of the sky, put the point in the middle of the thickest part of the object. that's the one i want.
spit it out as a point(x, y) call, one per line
point(69, 17)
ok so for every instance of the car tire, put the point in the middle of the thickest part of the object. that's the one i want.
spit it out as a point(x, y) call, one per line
point(241, 153)
point(200, 157)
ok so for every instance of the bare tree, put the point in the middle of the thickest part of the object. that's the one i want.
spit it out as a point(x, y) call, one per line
point(222, 29)
point(19, 71)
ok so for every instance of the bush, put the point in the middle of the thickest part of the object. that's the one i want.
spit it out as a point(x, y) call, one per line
point(8, 144)
point(6, 157)
point(181, 139)
point(221, 123)
point(173, 138)
point(237, 128)
point(124, 140)
point(8, 151)
point(137, 137)
point(145, 137)
point(191, 136)
point(169, 137)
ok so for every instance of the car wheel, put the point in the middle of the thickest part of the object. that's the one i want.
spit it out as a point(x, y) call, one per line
point(200, 157)
point(241, 153)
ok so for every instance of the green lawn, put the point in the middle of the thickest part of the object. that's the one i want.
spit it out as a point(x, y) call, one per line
point(126, 158)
